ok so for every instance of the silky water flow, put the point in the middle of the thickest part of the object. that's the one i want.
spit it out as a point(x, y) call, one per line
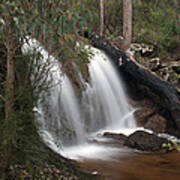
point(70, 127)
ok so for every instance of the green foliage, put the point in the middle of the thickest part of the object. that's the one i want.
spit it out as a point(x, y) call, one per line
point(172, 146)
point(113, 17)
point(56, 26)
point(157, 23)
point(138, 57)
point(178, 89)
point(22, 134)
point(55, 23)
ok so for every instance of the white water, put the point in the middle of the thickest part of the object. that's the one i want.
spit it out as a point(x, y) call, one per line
point(59, 113)
point(67, 126)
point(105, 99)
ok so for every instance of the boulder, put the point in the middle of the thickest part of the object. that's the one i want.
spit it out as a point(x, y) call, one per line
point(156, 123)
point(145, 141)
point(142, 115)
point(139, 140)
point(121, 138)
point(149, 118)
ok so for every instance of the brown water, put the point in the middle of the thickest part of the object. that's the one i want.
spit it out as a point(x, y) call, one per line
point(136, 166)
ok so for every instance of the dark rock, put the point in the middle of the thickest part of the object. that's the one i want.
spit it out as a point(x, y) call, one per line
point(149, 116)
point(145, 141)
point(156, 123)
point(121, 138)
point(142, 115)
point(113, 139)
point(140, 140)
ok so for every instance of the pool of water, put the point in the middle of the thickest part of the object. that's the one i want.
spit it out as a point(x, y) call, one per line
point(131, 165)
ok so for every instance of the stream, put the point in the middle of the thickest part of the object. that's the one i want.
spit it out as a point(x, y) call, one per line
point(130, 165)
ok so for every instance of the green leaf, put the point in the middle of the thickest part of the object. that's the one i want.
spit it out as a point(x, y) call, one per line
point(16, 20)
point(178, 89)
point(2, 21)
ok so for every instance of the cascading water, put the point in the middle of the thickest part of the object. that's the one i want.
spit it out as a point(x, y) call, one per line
point(105, 99)
point(66, 125)
point(59, 116)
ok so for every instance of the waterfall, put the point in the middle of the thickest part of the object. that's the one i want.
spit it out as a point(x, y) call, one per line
point(66, 125)
point(105, 98)
point(59, 115)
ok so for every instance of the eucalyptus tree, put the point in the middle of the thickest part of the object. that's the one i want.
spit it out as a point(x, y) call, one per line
point(127, 24)
point(101, 28)
point(55, 26)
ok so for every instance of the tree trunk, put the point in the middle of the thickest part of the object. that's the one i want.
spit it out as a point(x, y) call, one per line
point(127, 24)
point(10, 76)
point(101, 28)
point(168, 95)
point(9, 98)
point(82, 9)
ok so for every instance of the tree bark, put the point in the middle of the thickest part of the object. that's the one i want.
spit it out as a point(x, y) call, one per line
point(10, 76)
point(101, 28)
point(9, 97)
point(138, 74)
point(127, 24)
point(82, 9)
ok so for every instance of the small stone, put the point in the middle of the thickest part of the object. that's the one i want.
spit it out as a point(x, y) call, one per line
point(94, 172)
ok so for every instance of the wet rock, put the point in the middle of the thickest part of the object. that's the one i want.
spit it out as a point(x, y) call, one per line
point(121, 138)
point(139, 140)
point(156, 123)
point(142, 115)
point(145, 141)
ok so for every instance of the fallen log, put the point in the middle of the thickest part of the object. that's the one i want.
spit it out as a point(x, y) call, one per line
point(167, 92)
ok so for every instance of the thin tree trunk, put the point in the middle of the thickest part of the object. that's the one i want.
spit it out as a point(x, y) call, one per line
point(101, 28)
point(9, 98)
point(82, 9)
point(127, 24)
point(9, 104)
